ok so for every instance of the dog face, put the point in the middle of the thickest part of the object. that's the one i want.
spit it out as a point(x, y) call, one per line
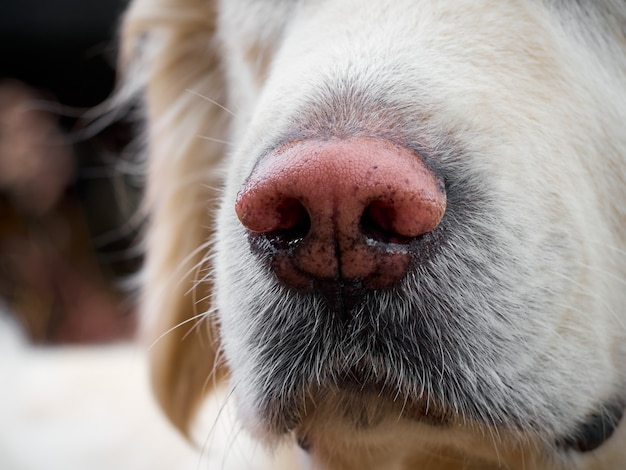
point(419, 242)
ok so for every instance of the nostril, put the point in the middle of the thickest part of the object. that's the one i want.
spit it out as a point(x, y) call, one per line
point(377, 224)
point(263, 209)
point(291, 215)
point(293, 223)
point(270, 218)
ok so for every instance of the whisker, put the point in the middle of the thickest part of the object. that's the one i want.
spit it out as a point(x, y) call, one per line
point(185, 261)
point(196, 282)
point(208, 442)
point(206, 98)
point(217, 141)
point(178, 325)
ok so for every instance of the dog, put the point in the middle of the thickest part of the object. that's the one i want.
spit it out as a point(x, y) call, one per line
point(395, 228)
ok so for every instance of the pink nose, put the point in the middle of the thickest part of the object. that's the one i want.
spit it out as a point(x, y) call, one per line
point(340, 209)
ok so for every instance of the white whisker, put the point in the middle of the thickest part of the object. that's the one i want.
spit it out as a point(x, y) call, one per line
point(178, 325)
point(217, 141)
point(206, 98)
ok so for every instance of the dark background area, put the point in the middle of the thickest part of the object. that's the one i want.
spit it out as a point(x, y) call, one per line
point(61, 267)
point(66, 47)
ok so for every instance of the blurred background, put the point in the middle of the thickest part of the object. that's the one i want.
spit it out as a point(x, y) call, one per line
point(74, 388)
point(68, 194)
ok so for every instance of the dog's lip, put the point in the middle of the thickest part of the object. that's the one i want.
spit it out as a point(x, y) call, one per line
point(596, 429)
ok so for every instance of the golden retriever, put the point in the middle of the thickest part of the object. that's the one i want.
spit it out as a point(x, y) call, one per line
point(396, 227)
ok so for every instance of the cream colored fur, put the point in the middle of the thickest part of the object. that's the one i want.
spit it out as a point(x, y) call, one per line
point(178, 63)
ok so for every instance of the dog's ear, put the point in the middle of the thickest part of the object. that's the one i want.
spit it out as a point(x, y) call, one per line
point(166, 57)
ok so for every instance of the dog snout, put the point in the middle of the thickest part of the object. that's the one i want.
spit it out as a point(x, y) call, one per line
point(340, 209)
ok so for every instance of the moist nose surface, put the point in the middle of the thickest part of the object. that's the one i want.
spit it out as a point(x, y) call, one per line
point(340, 210)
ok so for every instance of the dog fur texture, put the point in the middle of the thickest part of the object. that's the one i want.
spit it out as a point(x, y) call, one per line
point(496, 349)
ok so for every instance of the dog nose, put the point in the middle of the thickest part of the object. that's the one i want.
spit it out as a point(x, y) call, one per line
point(340, 209)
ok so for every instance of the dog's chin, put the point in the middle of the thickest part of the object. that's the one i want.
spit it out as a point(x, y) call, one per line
point(365, 407)
point(355, 426)
point(352, 415)
point(352, 404)
point(351, 412)
point(349, 415)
